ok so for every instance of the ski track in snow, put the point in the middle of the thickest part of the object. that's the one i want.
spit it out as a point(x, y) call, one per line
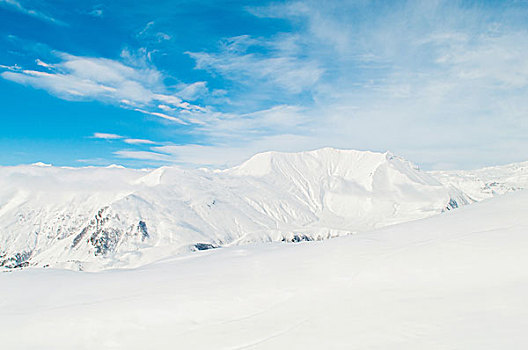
point(270, 337)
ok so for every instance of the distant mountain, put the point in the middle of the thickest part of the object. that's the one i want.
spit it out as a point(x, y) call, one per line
point(486, 182)
point(95, 218)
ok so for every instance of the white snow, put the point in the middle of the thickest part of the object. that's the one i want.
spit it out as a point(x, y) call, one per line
point(453, 281)
point(486, 182)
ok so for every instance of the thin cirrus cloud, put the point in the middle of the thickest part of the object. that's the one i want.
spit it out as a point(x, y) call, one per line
point(17, 6)
point(139, 142)
point(275, 66)
point(96, 11)
point(106, 136)
point(145, 155)
point(121, 138)
point(130, 141)
point(194, 90)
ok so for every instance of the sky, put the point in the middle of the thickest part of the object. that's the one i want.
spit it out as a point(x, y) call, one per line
point(210, 83)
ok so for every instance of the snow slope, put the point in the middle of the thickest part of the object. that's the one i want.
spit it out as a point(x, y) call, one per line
point(486, 182)
point(96, 218)
point(452, 281)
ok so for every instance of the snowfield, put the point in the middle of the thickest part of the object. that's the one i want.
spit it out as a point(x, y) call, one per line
point(457, 280)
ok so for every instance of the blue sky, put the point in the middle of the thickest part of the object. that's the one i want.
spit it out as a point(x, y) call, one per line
point(143, 84)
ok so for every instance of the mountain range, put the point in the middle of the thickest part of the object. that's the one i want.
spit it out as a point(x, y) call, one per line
point(95, 218)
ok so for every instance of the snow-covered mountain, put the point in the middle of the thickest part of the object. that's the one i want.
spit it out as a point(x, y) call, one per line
point(95, 218)
point(486, 182)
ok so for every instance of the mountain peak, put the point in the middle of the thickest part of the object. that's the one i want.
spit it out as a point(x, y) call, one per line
point(328, 157)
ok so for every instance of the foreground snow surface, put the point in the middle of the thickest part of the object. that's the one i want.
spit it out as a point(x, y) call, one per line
point(453, 281)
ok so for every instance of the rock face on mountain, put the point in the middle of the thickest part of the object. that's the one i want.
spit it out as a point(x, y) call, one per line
point(96, 218)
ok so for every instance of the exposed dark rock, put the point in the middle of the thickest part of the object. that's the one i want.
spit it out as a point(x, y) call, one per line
point(16, 260)
point(452, 204)
point(80, 236)
point(204, 246)
point(142, 228)
point(297, 238)
point(104, 239)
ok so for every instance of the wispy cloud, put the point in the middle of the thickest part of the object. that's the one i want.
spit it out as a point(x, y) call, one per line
point(149, 35)
point(275, 65)
point(97, 11)
point(426, 79)
point(232, 138)
point(222, 155)
point(130, 141)
point(162, 115)
point(130, 83)
point(418, 78)
point(193, 91)
point(145, 155)
point(17, 6)
point(105, 136)
point(139, 142)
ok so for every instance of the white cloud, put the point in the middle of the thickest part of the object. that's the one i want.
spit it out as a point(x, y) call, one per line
point(136, 85)
point(10, 68)
point(43, 64)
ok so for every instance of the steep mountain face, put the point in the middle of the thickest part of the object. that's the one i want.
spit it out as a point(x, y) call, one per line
point(486, 182)
point(96, 218)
